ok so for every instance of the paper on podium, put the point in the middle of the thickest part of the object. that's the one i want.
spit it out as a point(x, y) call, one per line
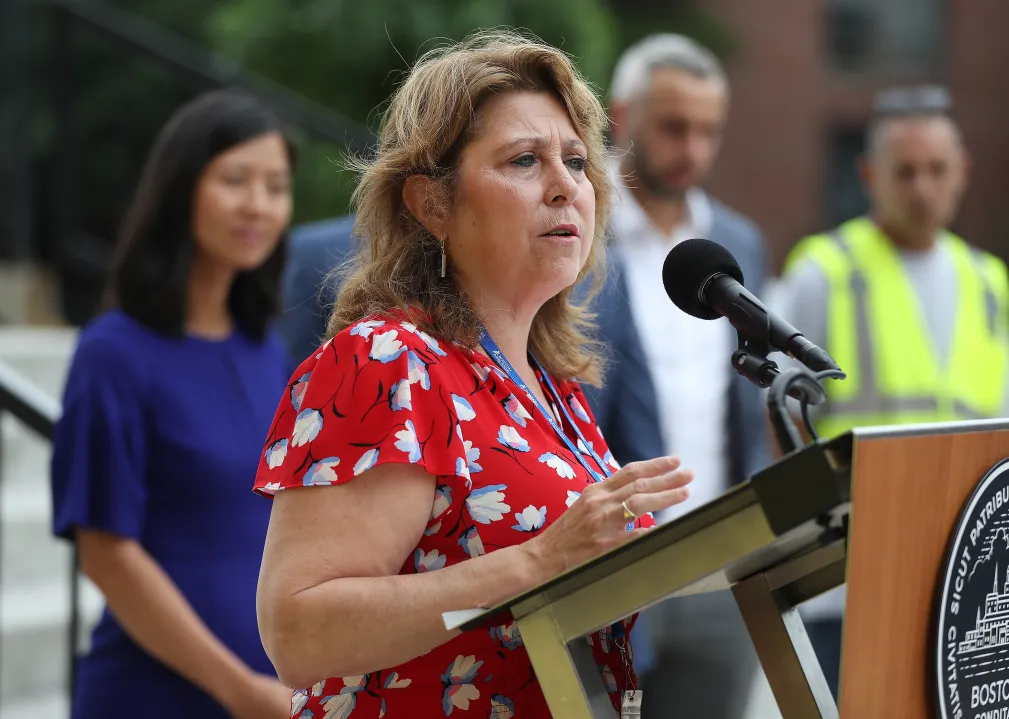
point(455, 619)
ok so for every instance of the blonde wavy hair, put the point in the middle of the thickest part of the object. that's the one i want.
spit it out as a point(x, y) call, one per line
point(430, 118)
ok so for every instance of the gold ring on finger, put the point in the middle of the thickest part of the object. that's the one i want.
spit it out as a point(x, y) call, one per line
point(628, 514)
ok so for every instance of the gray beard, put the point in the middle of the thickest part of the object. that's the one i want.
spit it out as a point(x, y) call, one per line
point(652, 184)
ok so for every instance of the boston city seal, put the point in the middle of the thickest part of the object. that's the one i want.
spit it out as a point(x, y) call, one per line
point(972, 605)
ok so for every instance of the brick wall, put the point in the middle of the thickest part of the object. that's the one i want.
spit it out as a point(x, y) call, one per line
point(786, 99)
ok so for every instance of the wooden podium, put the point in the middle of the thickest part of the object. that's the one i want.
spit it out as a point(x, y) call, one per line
point(873, 508)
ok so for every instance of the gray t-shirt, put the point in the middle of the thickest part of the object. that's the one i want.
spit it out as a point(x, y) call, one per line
point(802, 294)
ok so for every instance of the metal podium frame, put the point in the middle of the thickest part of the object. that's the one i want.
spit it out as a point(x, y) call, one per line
point(775, 540)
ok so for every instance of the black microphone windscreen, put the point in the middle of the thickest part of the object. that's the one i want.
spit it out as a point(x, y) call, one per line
point(688, 266)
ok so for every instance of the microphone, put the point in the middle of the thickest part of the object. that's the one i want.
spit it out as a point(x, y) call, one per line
point(704, 280)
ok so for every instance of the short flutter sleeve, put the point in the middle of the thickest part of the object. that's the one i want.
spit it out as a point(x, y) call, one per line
point(99, 461)
point(380, 391)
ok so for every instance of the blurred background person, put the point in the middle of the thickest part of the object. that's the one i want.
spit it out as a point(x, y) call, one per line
point(170, 393)
point(310, 285)
point(914, 315)
point(668, 102)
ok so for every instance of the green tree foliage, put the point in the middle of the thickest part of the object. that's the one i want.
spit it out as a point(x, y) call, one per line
point(347, 55)
point(350, 55)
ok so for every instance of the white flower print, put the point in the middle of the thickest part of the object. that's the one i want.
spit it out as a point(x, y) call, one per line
point(276, 453)
point(406, 441)
point(563, 469)
point(298, 390)
point(530, 519)
point(461, 469)
point(306, 427)
point(340, 706)
point(608, 458)
point(392, 681)
point(321, 472)
point(463, 409)
point(482, 372)
point(472, 455)
point(458, 680)
point(577, 409)
point(516, 410)
point(471, 543)
point(510, 437)
point(298, 701)
point(486, 504)
point(399, 396)
point(366, 462)
point(428, 561)
point(431, 342)
point(507, 635)
point(501, 707)
point(385, 347)
point(364, 329)
point(442, 500)
point(271, 487)
point(572, 497)
point(416, 370)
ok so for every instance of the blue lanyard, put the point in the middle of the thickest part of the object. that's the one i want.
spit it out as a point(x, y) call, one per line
point(498, 356)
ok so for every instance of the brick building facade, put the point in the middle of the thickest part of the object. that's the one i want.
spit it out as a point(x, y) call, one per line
point(803, 76)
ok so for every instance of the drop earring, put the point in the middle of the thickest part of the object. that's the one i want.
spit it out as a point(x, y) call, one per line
point(444, 258)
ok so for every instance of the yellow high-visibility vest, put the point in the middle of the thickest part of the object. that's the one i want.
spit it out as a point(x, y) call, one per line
point(877, 334)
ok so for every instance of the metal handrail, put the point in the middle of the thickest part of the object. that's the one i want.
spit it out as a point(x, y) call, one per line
point(195, 63)
point(38, 411)
point(34, 407)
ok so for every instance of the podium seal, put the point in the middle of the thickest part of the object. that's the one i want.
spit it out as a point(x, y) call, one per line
point(971, 640)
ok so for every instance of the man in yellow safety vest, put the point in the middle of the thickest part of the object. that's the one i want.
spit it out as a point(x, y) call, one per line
point(914, 315)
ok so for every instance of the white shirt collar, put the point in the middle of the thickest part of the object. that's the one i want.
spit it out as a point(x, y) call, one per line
point(631, 223)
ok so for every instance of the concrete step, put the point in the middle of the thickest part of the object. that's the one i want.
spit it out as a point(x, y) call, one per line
point(34, 567)
point(35, 620)
point(52, 706)
point(29, 553)
point(24, 457)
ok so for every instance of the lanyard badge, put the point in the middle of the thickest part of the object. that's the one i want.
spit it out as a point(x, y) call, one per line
point(501, 361)
point(630, 705)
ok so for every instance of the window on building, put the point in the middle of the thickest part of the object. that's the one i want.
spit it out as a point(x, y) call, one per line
point(844, 197)
point(890, 36)
point(849, 31)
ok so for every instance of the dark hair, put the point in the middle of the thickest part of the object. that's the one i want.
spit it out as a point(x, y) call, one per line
point(914, 102)
point(155, 249)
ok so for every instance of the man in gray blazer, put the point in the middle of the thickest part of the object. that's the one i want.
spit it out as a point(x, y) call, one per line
point(668, 101)
point(313, 251)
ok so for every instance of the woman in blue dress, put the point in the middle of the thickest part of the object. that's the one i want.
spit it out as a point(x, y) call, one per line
point(169, 396)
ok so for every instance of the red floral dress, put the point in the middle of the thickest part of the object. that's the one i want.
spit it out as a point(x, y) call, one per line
point(384, 391)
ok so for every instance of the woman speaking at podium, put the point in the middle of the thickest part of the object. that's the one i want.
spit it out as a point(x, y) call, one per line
point(436, 453)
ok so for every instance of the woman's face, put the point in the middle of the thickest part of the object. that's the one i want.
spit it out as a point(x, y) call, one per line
point(524, 214)
point(243, 203)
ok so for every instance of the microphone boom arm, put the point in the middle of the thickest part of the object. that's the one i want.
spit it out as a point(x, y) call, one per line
point(750, 361)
